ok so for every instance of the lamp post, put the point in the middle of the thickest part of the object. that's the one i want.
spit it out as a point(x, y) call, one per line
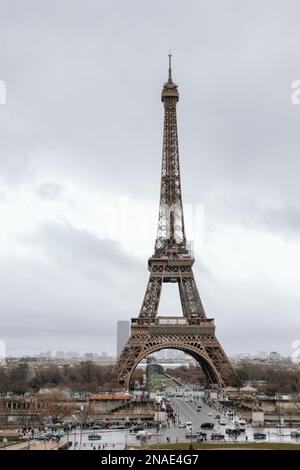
point(75, 428)
point(80, 440)
point(191, 433)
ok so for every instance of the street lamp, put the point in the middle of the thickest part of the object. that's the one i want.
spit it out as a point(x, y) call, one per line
point(191, 434)
point(80, 440)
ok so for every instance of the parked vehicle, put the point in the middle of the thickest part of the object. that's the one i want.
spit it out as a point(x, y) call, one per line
point(207, 426)
point(259, 435)
point(217, 437)
point(242, 425)
point(138, 427)
point(42, 437)
point(233, 432)
point(143, 434)
point(94, 437)
point(295, 433)
point(222, 421)
point(191, 435)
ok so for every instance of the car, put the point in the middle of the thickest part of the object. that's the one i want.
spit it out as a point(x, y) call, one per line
point(241, 425)
point(42, 437)
point(191, 435)
point(199, 410)
point(210, 413)
point(259, 435)
point(143, 434)
point(218, 417)
point(233, 432)
point(181, 425)
point(217, 437)
point(222, 421)
point(188, 423)
point(94, 436)
point(207, 426)
point(202, 434)
point(138, 427)
point(295, 433)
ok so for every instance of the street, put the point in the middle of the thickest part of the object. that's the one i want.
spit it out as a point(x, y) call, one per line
point(186, 411)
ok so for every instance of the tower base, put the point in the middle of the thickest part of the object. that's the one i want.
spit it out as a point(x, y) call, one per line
point(196, 339)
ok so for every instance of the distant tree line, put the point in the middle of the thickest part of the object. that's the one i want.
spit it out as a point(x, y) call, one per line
point(191, 374)
point(84, 376)
point(271, 377)
point(267, 378)
point(88, 376)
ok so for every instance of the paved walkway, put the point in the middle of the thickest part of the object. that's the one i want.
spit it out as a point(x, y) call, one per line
point(32, 445)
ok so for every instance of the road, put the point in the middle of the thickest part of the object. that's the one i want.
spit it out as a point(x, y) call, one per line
point(187, 411)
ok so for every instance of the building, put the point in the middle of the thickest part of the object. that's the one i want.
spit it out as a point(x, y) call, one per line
point(274, 356)
point(123, 330)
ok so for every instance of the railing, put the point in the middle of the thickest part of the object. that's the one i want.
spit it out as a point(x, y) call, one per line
point(172, 321)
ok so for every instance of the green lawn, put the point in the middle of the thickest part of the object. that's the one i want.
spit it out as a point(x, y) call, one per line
point(157, 379)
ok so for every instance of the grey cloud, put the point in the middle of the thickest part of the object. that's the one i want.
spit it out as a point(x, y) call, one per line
point(284, 220)
point(49, 190)
point(83, 108)
point(67, 289)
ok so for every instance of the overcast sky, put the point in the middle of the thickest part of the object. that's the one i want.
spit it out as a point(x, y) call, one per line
point(80, 156)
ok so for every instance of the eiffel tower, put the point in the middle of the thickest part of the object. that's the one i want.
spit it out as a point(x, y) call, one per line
point(172, 261)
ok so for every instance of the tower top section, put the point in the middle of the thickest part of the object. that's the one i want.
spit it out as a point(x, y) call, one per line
point(170, 89)
point(170, 239)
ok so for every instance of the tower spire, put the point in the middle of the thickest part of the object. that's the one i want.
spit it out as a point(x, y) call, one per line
point(170, 67)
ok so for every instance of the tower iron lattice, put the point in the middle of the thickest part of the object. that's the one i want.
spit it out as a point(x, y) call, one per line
point(172, 261)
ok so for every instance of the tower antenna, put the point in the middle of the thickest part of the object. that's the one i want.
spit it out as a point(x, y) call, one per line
point(170, 66)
